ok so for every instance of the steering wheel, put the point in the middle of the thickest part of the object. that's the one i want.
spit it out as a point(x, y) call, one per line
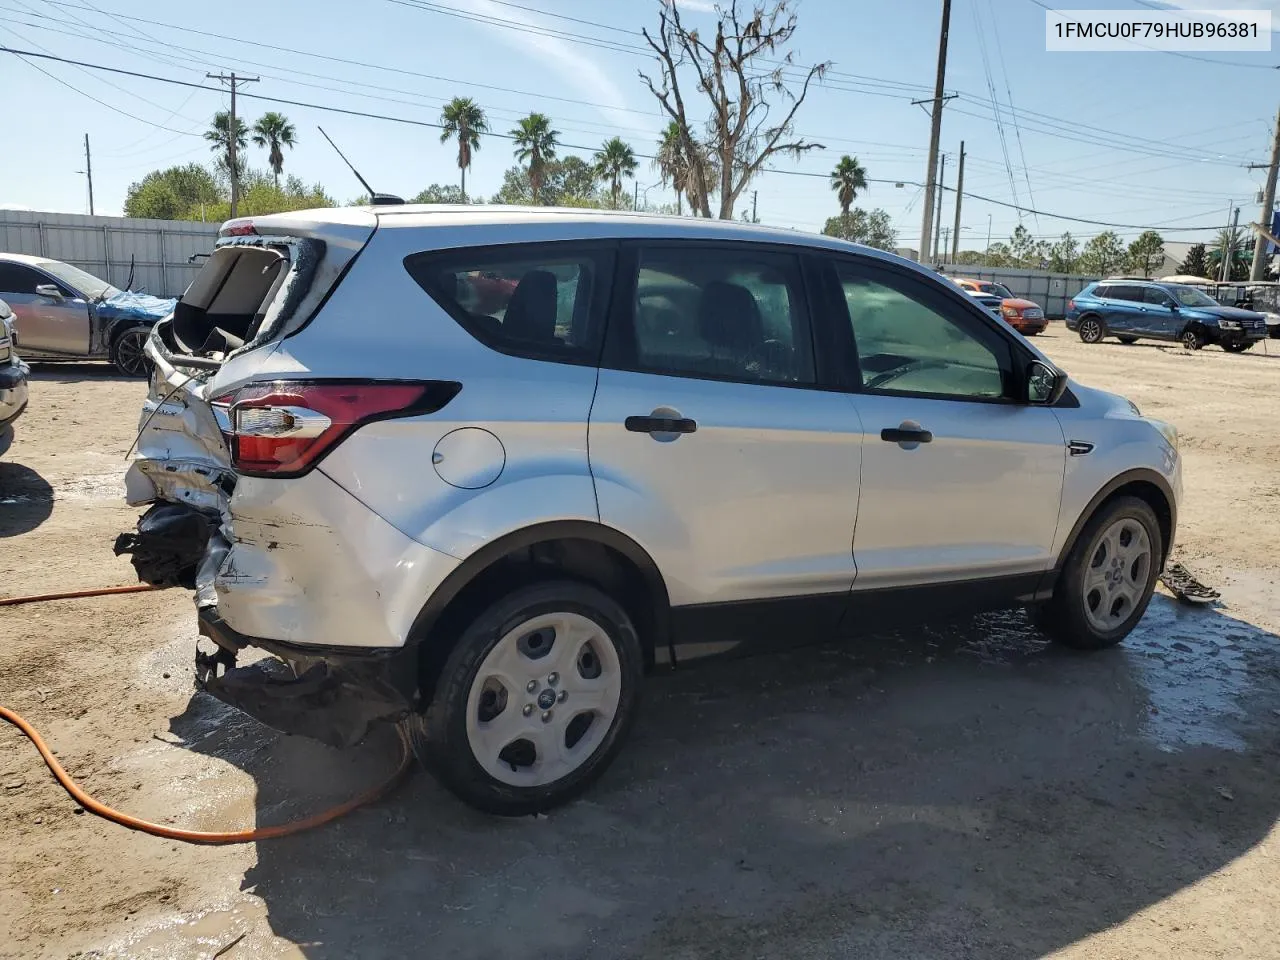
point(772, 356)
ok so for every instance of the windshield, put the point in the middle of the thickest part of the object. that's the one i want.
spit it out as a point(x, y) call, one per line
point(85, 283)
point(1191, 297)
point(996, 290)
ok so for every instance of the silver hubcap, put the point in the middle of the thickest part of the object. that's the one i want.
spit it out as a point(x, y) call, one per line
point(1116, 577)
point(1090, 330)
point(543, 699)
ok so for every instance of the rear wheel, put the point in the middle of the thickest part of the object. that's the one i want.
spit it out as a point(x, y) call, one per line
point(128, 354)
point(1127, 340)
point(535, 699)
point(1091, 330)
point(1107, 580)
point(1239, 346)
point(1191, 339)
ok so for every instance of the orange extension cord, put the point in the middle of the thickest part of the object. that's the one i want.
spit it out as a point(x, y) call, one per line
point(174, 833)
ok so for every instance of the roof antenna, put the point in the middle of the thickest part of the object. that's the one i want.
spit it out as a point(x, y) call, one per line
point(377, 199)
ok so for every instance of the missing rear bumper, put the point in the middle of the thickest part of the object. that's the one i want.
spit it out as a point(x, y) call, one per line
point(331, 696)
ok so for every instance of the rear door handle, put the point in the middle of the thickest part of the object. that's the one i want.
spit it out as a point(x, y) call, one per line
point(905, 434)
point(652, 424)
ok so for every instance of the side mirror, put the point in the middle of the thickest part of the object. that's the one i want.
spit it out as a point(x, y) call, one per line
point(1171, 304)
point(49, 291)
point(1045, 385)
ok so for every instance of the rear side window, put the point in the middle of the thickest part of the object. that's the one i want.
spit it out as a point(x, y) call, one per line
point(1101, 291)
point(721, 314)
point(1126, 292)
point(541, 301)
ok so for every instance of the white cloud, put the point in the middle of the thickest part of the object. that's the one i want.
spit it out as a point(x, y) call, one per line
point(565, 59)
point(699, 6)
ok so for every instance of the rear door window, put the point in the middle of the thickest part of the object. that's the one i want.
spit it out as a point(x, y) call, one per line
point(1126, 292)
point(721, 314)
point(541, 301)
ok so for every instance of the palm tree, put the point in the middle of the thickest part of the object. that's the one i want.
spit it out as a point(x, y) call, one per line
point(847, 179)
point(463, 118)
point(219, 136)
point(535, 143)
point(614, 161)
point(676, 165)
point(274, 131)
point(672, 164)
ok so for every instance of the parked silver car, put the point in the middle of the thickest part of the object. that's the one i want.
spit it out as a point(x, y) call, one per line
point(57, 316)
point(477, 470)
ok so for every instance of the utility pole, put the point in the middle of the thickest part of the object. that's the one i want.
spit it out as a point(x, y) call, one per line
point(1228, 251)
point(88, 170)
point(946, 239)
point(937, 220)
point(755, 195)
point(955, 234)
point(1259, 269)
point(232, 80)
point(935, 132)
point(635, 204)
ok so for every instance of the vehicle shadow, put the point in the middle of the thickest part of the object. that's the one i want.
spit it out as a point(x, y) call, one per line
point(78, 371)
point(962, 790)
point(26, 499)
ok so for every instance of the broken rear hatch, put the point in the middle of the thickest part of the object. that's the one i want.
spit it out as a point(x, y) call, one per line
point(265, 279)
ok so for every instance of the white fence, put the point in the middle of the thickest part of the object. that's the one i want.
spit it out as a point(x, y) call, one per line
point(158, 250)
point(1050, 290)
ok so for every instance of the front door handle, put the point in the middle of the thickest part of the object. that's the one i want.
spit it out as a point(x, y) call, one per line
point(651, 424)
point(906, 433)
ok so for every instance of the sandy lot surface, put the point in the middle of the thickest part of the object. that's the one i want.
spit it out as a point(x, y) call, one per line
point(960, 791)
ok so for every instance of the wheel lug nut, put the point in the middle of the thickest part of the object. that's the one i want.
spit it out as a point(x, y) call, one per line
point(564, 694)
point(546, 716)
point(528, 709)
point(531, 686)
point(553, 679)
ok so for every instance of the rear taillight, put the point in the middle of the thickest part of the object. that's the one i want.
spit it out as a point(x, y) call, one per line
point(283, 428)
point(1071, 304)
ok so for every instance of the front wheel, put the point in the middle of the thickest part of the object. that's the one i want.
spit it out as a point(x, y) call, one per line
point(535, 700)
point(1238, 346)
point(1091, 330)
point(1191, 339)
point(1107, 580)
point(128, 353)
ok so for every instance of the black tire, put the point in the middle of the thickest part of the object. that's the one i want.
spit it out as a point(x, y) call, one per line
point(1191, 339)
point(1091, 329)
point(127, 354)
point(1239, 346)
point(1127, 340)
point(1064, 617)
point(440, 735)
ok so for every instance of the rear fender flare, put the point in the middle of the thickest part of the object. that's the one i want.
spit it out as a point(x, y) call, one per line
point(484, 558)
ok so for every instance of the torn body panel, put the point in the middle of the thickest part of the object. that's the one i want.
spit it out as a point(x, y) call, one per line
point(331, 697)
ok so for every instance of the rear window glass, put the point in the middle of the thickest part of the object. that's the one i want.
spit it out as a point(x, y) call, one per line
point(541, 301)
point(1126, 293)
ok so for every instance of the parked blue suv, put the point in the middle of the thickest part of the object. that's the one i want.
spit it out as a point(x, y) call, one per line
point(1133, 309)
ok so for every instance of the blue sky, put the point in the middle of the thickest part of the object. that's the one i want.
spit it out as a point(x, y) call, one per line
point(1135, 138)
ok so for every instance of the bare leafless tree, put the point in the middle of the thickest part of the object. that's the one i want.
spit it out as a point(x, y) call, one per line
point(739, 72)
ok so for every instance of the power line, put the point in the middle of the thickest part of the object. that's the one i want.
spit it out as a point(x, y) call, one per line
point(1118, 140)
point(569, 146)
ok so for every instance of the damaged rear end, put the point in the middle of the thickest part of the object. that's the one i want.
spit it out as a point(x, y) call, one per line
point(223, 392)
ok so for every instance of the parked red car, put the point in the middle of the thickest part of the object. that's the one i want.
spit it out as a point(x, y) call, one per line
point(1025, 316)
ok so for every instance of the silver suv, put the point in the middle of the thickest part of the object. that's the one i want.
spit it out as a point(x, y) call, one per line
point(479, 470)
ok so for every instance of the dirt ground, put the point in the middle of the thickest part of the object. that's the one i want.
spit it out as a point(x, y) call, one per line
point(959, 791)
